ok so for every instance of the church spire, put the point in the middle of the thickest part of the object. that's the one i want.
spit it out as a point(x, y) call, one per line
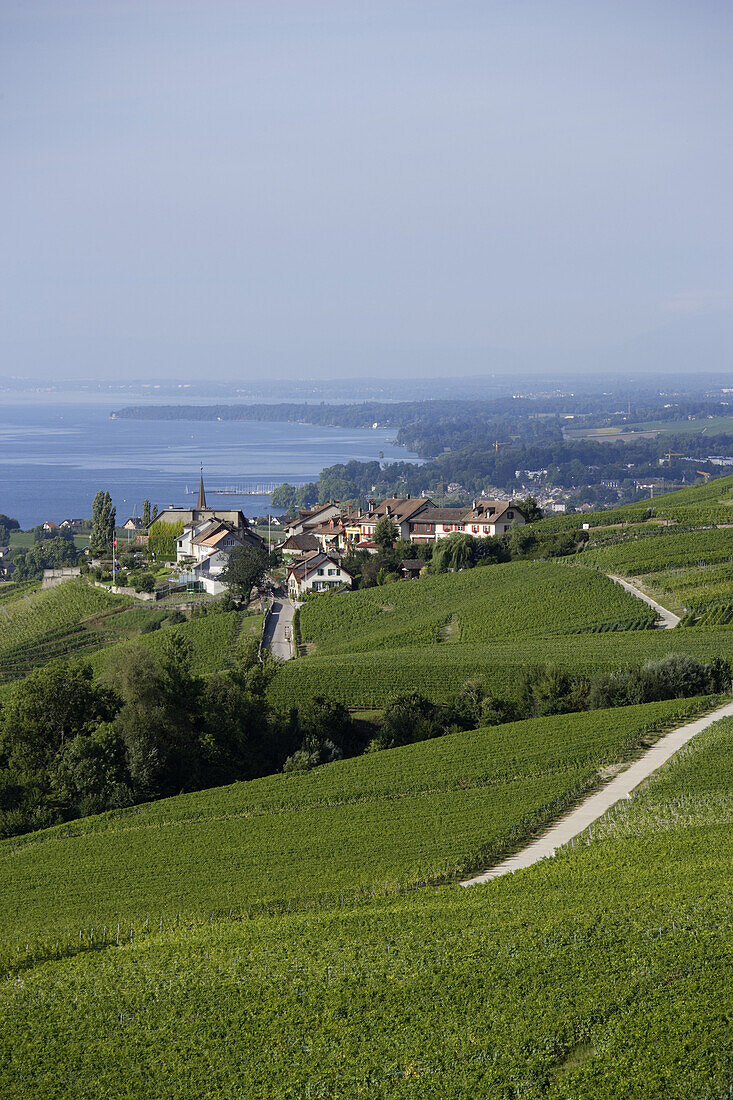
point(201, 502)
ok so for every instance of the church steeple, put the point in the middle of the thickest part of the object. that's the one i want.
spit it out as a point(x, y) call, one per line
point(201, 502)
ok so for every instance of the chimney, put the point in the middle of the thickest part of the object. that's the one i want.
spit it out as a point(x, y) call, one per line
point(388, 510)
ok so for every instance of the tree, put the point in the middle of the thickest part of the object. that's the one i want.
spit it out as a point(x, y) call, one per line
point(103, 522)
point(385, 533)
point(458, 551)
point(530, 509)
point(246, 567)
point(146, 513)
point(162, 539)
point(283, 497)
point(154, 516)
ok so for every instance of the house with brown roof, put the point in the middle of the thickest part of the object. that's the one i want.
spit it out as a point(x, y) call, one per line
point(402, 511)
point(308, 518)
point(317, 573)
point(298, 545)
point(193, 517)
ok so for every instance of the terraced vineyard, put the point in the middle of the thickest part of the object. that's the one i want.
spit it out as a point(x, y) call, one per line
point(40, 625)
point(602, 974)
point(662, 549)
point(476, 606)
point(409, 815)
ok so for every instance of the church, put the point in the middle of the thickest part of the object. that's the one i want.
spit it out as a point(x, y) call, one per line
point(232, 518)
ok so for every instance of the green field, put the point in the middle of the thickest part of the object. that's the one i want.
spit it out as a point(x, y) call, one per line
point(707, 425)
point(477, 606)
point(426, 811)
point(213, 637)
point(603, 974)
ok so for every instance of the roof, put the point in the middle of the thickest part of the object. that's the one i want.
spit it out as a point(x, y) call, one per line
point(442, 515)
point(412, 563)
point(401, 508)
point(301, 543)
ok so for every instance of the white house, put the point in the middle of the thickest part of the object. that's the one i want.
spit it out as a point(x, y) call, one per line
point(317, 573)
point(204, 548)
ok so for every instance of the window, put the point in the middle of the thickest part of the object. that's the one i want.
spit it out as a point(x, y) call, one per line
point(331, 572)
point(474, 528)
point(486, 529)
point(510, 515)
point(320, 572)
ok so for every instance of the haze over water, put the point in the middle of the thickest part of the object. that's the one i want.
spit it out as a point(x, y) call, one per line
point(53, 458)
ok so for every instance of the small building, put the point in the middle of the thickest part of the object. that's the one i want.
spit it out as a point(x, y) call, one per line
point(49, 526)
point(317, 573)
point(134, 523)
point(73, 524)
point(410, 568)
point(297, 546)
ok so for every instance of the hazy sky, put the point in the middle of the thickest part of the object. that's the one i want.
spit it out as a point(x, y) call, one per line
point(218, 189)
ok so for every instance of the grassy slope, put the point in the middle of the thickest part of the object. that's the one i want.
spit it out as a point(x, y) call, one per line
point(693, 569)
point(603, 974)
point(427, 810)
point(475, 606)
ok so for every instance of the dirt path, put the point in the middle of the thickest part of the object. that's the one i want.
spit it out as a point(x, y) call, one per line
point(279, 633)
point(669, 619)
point(596, 805)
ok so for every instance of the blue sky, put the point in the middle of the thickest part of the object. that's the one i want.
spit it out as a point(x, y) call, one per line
point(406, 188)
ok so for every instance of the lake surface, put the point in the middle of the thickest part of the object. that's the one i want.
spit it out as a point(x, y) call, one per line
point(55, 456)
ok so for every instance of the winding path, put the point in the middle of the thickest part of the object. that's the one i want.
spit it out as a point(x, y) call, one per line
point(596, 805)
point(669, 619)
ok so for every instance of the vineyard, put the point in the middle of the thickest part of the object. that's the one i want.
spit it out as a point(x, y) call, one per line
point(694, 507)
point(395, 818)
point(370, 679)
point(692, 570)
point(213, 638)
point(478, 606)
point(600, 975)
point(37, 626)
point(665, 549)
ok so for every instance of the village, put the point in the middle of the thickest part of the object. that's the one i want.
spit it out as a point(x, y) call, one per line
point(314, 543)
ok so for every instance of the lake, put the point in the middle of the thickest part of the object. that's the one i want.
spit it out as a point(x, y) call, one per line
point(55, 456)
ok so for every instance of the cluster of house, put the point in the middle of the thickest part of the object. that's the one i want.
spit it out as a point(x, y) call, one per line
point(316, 540)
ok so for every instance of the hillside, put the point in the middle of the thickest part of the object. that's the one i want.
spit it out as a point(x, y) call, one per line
point(435, 633)
point(694, 507)
point(426, 811)
point(476, 606)
point(603, 969)
point(37, 625)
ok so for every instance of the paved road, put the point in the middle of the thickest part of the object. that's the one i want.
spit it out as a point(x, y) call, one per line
point(279, 633)
point(668, 618)
point(596, 805)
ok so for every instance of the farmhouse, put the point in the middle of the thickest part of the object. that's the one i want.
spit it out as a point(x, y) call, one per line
point(316, 573)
